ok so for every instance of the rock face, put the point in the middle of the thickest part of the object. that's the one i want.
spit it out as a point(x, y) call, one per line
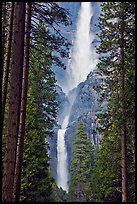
point(84, 108)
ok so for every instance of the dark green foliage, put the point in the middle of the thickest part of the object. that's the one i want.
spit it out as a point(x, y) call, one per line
point(41, 117)
point(81, 167)
point(52, 16)
point(107, 172)
point(42, 81)
point(58, 194)
point(36, 183)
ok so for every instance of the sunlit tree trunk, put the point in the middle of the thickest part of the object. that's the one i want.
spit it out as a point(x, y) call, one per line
point(14, 101)
point(20, 145)
point(7, 60)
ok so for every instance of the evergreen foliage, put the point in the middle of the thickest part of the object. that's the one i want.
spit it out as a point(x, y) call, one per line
point(42, 105)
point(35, 185)
point(41, 117)
point(52, 16)
point(113, 16)
point(81, 167)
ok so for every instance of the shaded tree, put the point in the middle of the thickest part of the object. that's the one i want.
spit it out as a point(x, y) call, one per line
point(36, 183)
point(17, 104)
point(20, 144)
point(14, 103)
point(116, 62)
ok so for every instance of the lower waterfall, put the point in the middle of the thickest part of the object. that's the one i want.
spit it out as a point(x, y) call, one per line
point(62, 169)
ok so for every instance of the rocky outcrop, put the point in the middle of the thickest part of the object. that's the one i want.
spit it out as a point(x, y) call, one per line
point(85, 108)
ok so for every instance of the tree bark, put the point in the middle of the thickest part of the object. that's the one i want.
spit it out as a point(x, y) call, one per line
point(7, 60)
point(21, 134)
point(14, 102)
point(123, 122)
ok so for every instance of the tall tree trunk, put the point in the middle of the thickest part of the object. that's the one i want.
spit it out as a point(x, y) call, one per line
point(14, 103)
point(20, 146)
point(7, 60)
point(123, 125)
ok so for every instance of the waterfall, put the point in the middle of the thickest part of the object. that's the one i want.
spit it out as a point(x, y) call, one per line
point(83, 54)
point(83, 61)
point(62, 168)
point(62, 171)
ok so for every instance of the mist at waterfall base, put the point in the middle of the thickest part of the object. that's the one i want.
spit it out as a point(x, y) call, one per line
point(83, 60)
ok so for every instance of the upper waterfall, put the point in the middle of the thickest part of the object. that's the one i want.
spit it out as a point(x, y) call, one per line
point(83, 56)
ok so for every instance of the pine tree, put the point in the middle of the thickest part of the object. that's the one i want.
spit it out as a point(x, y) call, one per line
point(14, 103)
point(81, 167)
point(53, 16)
point(122, 95)
point(116, 62)
point(19, 154)
point(48, 13)
point(106, 183)
point(36, 182)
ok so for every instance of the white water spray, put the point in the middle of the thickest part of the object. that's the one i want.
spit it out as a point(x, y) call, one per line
point(83, 61)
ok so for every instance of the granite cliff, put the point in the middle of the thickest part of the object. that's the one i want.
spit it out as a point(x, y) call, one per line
point(85, 108)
